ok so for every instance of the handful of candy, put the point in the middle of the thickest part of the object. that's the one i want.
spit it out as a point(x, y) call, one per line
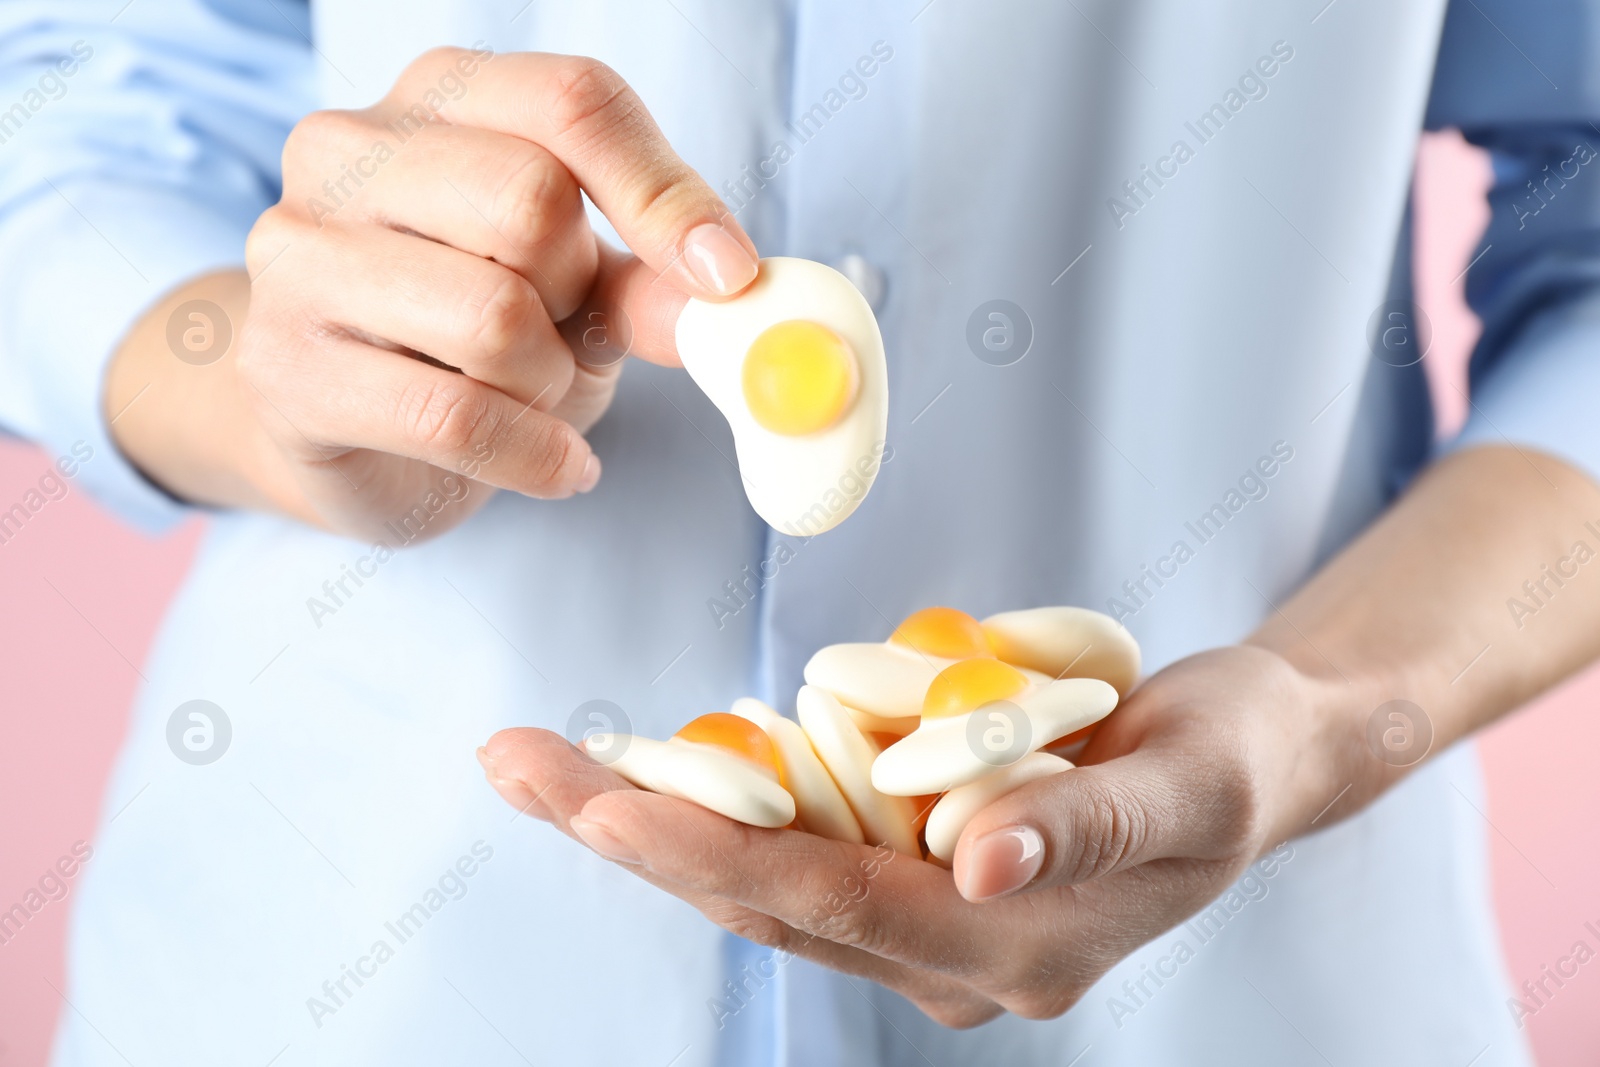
point(900, 742)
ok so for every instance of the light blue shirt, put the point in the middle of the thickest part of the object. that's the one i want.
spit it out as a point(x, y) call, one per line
point(340, 886)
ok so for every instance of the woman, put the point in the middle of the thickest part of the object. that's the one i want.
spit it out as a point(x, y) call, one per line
point(1185, 226)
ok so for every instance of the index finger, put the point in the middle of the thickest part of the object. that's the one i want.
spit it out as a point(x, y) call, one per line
point(585, 114)
point(871, 901)
point(895, 907)
point(520, 761)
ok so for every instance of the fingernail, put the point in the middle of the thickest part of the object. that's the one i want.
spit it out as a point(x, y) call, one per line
point(591, 474)
point(485, 760)
point(717, 260)
point(602, 841)
point(1002, 862)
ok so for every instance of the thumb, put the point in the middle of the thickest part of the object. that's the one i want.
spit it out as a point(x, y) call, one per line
point(1090, 822)
point(631, 310)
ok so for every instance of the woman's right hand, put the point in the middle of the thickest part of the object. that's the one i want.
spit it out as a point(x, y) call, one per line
point(427, 308)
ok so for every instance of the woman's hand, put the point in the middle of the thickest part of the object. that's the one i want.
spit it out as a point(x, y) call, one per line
point(1205, 767)
point(427, 303)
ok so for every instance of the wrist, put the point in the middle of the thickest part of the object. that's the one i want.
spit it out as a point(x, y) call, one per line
point(178, 409)
point(1344, 750)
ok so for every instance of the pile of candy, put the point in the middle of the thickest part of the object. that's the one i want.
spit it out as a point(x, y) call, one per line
point(904, 741)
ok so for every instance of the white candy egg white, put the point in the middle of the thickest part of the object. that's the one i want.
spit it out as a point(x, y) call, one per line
point(805, 484)
point(939, 755)
point(872, 724)
point(702, 774)
point(848, 754)
point(956, 808)
point(882, 680)
point(823, 810)
point(1066, 642)
point(882, 683)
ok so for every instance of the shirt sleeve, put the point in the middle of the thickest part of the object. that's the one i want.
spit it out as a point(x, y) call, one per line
point(139, 141)
point(1523, 81)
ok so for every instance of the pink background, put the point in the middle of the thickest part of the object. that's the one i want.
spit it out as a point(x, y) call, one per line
point(83, 596)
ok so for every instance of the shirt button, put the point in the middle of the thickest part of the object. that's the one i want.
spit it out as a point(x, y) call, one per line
point(868, 279)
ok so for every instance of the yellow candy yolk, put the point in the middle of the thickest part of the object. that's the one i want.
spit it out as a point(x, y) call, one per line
point(737, 735)
point(943, 632)
point(969, 685)
point(799, 378)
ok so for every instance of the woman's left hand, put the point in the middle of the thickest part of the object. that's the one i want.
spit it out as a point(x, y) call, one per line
point(1204, 767)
